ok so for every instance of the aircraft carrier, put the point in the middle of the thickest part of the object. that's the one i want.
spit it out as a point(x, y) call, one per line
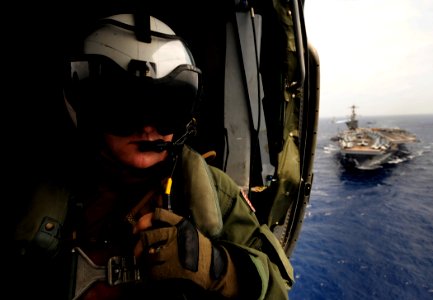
point(370, 148)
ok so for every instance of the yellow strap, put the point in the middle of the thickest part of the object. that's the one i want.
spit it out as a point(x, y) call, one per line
point(168, 186)
point(210, 154)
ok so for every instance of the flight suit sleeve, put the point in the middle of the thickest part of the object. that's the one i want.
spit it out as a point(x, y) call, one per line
point(265, 271)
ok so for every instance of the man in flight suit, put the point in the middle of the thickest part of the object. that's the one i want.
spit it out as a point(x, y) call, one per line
point(147, 217)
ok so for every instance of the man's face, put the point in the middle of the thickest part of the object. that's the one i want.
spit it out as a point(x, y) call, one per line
point(126, 149)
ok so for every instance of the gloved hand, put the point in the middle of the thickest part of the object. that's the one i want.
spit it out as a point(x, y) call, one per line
point(172, 248)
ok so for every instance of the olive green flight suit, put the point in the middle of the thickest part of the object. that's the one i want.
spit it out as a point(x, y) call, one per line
point(217, 207)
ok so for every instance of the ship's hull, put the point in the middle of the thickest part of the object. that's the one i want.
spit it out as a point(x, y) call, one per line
point(365, 161)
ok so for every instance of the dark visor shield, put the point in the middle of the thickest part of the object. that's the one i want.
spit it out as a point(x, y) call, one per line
point(111, 99)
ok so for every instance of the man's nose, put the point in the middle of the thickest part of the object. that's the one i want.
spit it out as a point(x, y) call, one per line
point(148, 129)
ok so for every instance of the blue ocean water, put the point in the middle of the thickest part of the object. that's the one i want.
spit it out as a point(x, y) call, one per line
point(368, 234)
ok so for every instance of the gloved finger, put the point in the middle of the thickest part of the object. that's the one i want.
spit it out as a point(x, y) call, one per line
point(163, 215)
point(143, 223)
point(158, 239)
point(155, 250)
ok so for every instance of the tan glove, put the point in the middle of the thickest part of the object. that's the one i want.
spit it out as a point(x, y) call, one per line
point(174, 249)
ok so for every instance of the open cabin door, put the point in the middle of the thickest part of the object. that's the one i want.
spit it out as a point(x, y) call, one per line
point(261, 102)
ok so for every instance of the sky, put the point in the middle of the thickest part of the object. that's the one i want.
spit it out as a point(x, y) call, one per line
point(374, 54)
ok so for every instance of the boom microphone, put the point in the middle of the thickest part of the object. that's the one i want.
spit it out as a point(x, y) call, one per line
point(154, 146)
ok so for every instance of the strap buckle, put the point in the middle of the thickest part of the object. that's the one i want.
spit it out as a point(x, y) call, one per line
point(122, 269)
point(119, 269)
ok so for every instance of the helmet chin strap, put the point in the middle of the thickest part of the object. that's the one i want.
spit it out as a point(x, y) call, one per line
point(160, 145)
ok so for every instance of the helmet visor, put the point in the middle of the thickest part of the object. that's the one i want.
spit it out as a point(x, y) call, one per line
point(111, 99)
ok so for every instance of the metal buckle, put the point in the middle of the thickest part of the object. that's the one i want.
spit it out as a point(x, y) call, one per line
point(86, 273)
point(122, 269)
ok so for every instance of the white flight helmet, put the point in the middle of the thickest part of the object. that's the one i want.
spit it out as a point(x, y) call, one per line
point(128, 77)
point(121, 45)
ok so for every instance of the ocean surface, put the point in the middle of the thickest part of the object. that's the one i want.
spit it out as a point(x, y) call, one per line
point(368, 234)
